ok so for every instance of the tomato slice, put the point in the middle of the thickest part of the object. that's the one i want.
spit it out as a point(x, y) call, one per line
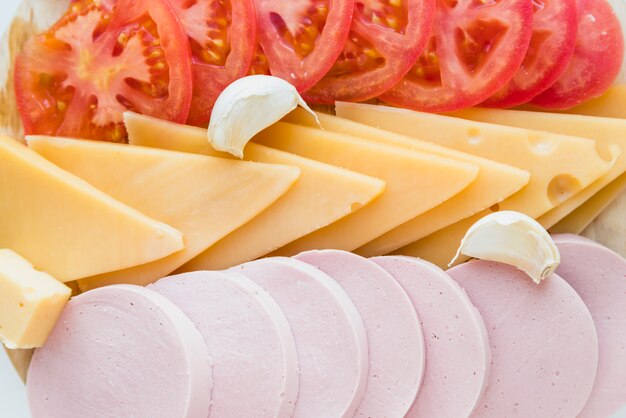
point(475, 49)
point(300, 40)
point(385, 40)
point(596, 62)
point(555, 25)
point(222, 34)
point(99, 60)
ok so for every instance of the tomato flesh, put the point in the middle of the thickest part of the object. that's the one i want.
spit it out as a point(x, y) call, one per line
point(596, 62)
point(300, 40)
point(475, 49)
point(555, 26)
point(100, 60)
point(385, 40)
point(222, 35)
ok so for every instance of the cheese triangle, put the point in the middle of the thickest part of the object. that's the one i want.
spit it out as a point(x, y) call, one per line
point(494, 183)
point(204, 197)
point(416, 182)
point(68, 228)
point(322, 195)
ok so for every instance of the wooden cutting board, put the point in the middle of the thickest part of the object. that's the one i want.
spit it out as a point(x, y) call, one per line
point(33, 16)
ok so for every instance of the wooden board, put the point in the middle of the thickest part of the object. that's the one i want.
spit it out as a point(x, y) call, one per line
point(34, 16)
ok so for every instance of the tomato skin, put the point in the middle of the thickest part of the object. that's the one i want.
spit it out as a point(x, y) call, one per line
point(596, 62)
point(231, 61)
point(398, 49)
point(283, 58)
point(99, 60)
point(476, 47)
point(547, 59)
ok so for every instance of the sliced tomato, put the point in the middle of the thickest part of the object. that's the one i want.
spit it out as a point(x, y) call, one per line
point(555, 25)
point(99, 60)
point(222, 34)
point(597, 59)
point(475, 49)
point(385, 40)
point(300, 40)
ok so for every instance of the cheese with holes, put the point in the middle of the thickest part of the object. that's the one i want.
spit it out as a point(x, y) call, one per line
point(494, 183)
point(322, 195)
point(30, 302)
point(416, 182)
point(609, 134)
point(68, 228)
point(560, 165)
point(204, 197)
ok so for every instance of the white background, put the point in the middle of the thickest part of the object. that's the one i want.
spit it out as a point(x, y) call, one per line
point(12, 394)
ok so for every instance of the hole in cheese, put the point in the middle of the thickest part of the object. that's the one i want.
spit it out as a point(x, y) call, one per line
point(562, 187)
point(541, 144)
point(474, 136)
point(607, 151)
point(495, 208)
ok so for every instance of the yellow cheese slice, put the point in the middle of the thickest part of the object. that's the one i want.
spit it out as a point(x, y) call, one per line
point(68, 228)
point(416, 182)
point(581, 218)
point(322, 195)
point(609, 134)
point(612, 104)
point(560, 165)
point(204, 197)
point(494, 183)
point(30, 302)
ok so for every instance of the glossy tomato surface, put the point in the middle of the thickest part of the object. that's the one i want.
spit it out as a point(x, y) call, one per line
point(222, 34)
point(555, 25)
point(596, 62)
point(300, 40)
point(99, 60)
point(475, 49)
point(385, 40)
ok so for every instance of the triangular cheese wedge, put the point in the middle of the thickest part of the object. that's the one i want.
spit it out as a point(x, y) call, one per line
point(609, 134)
point(322, 195)
point(206, 198)
point(560, 165)
point(68, 228)
point(495, 182)
point(416, 182)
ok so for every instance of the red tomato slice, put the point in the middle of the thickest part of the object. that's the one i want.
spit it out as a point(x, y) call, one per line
point(385, 40)
point(300, 40)
point(475, 49)
point(99, 60)
point(222, 34)
point(555, 25)
point(596, 62)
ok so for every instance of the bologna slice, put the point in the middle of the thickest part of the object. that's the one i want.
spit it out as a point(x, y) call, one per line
point(394, 333)
point(599, 276)
point(457, 349)
point(253, 351)
point(121, 351)
point(544, 345)
point(329, 333)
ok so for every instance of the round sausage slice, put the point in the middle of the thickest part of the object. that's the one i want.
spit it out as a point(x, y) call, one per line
point(543, 342)
point(457, 349)
point(121, 351)
point(253, 351)
point(394, 333)
point(329, 333)
point(599, 276)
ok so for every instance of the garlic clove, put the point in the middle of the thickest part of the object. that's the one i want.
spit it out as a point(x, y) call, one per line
point(246, 107)
point(512, 238)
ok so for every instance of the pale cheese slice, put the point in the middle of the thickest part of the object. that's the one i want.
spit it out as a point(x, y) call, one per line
point(560, 165)
point(322, 195)
point(31, 301)
point(204, 197)
point(609, 134)
point(68, 228)
point(416, 182)
point(494, 183)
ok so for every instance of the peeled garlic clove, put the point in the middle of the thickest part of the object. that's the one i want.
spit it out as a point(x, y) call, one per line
point(246, 107)
point(512, 238)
